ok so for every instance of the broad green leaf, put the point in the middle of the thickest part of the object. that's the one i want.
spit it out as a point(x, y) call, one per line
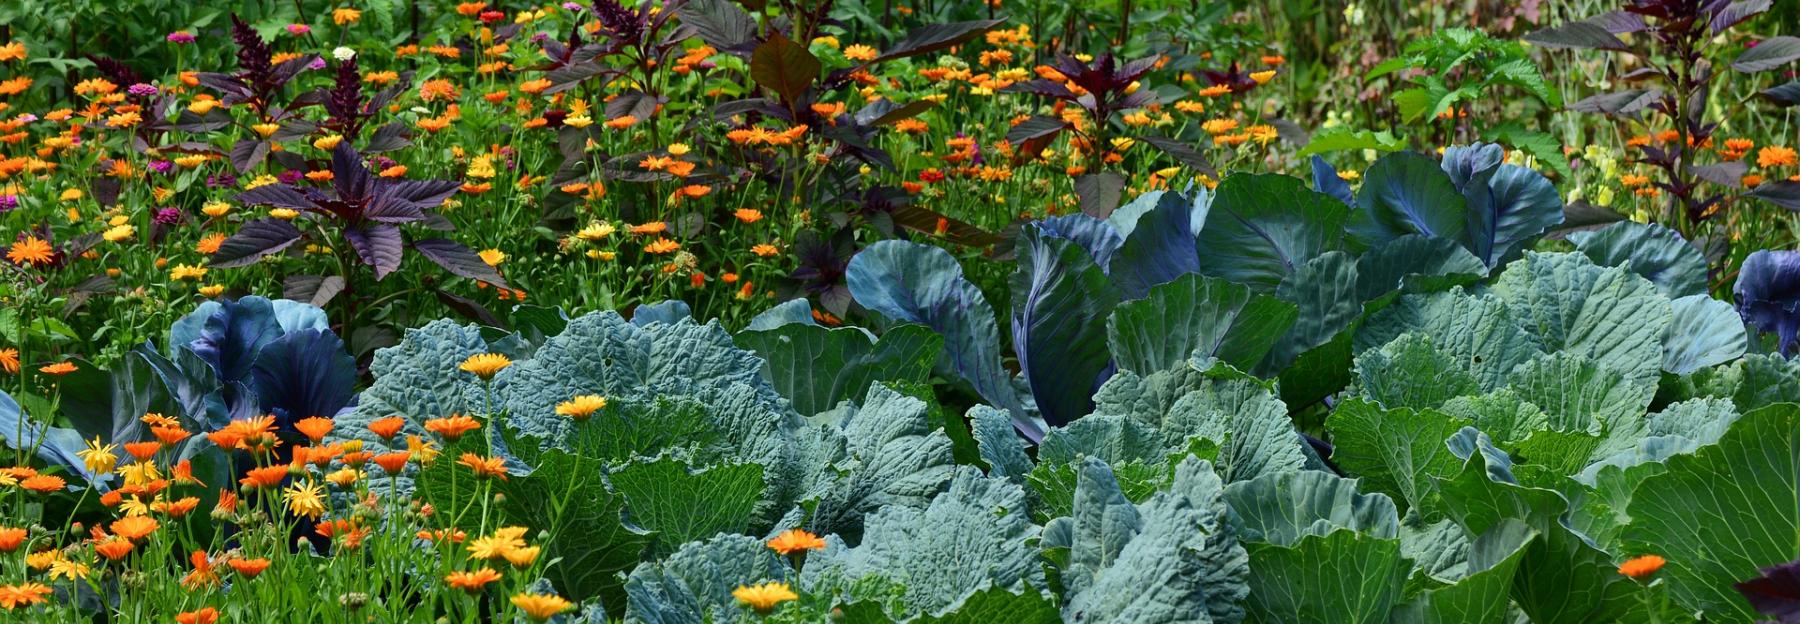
point(1480, 596)
point(1411, 373)
point(894, 458)
point(1479, 332)
point(1397, 452)
point(1060, 308)
point(1654, 252)
point(1335, 578)
point(816, 367)
point(694, 584)
point(1001, 449)
point(974, 536)
point(1705, 332)
point(1196, 317)
point(684, 504)
point(1324, 290)
point(1607, 314)
point(996, 604)
point(1348, 139)
point(1261, 228)
point(1415, 263)
point(1282, 508)
point(1407, 193)
point(1579, 396)
point(1148, 563)
point(1508, 206)
point(1742, 492)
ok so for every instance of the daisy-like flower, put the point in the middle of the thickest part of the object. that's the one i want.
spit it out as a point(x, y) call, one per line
point(764, 597)
point(9, 360)
point(581, 407)
point(453, 427)
point(59, 369)
point(485, 365)
point(32, 250)
point(484, 467)
point(134, 527)
point(472, 581)
point(387, 427)
point(248, 568)
point(541, 607)
point(1776, 156)
point(12, 538)
point(43, 484)
point(24, 595)
point(99, 458)
point(795, 540)
point(314, 428)
point(305, 500)
point(493, 257)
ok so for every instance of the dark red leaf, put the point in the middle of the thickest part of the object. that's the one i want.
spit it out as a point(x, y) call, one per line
point(459, 260)
point(934, 37)
point(253, 241)
point(378, 245)
point(784, 67)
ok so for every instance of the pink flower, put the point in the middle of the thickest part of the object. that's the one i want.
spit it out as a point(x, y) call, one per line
point(180, 36)
point(298, 29)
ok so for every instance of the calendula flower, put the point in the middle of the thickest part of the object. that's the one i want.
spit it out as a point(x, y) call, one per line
point(541, 607)
point(305, 500)
point(43, 484)
point(1776, 156)
point(248, 568)
point(12, 538)
point(1641, 567)
point(521, 558)
point(59, 368)
point(662, 246)
point(764, 597)
point(484, 467)
point(493, 257)
point(795, 540)
point(113, 549)
point(69, 569)
point(205, 615)
point(187, 272)
point(495, 546)
point(581, 407)
point(472, 581)
point(134, 527)
point(485, 365)
point(31, 250)
point(387, 427)
point(314, 428)
point(595, 231)
point(9, 360)
point(453, 427)
point(99, 458)
point(24, 595)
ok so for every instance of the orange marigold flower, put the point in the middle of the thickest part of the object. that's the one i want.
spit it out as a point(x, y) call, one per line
point(113, 549)
point(12, 538)
point(206, 615)
point(44, 484)
point(314, 428)
point(472, 581)
point(32, 250)
point(662, 246)
point(795, 540)
point(143, 451)
point(484, 467)
point(622, 122)
point(1641, 567)
point(134, 527)
point(24, 595)
point(265, 477)
point(453, 427)
point(1776, 156)
point(9, 361)
point(748, 215)
point(392, 462)
point(249, 568)
point(203, 574)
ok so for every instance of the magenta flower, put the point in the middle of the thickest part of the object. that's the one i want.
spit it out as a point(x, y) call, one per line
point(180, 36)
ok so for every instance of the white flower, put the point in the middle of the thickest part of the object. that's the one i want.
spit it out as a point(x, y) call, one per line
point(343, 53)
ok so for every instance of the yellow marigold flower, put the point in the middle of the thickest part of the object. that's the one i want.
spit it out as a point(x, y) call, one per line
point(212, 290)
point(285, 214)
point(595, 231)
point(118, 233)
point(541, 607)
point(1215, 91)
point(345, 16)
point(485, 365)
point(579, 121)
point(190, 161)
point(764, 597)
point(1641, 567)
point(795, 540)
point(99, 459)
point(860, 53)
point(1217, 127)
point(1263, 77)
point(328, 143)
point(493, 257)
point(581, 407)
point(187, 272)
point(69, 569)
point(71, 195)
point(305, 500)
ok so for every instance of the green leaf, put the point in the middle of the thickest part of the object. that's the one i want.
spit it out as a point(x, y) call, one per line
point(1196, 317)
point(1540, 145)
point(894, 458)
point(1398, 452)
point(974, 536)
point(1336, 578)
point(1324, 290)
point(1407, 193)
point(1344, 138)
point(684, 504)
point(695, 583)
point(1412, 373)
point(996, 604)
point(1605, 313)
point(1654, 252)
point(1742, 491)
point(1579, 396)
point(1480, 596)
point(1061, 301)
point(1415, 263)
point(1261, 228)
point(1148, 563)
point(1282, 508)
point(1001, 449)
point(1478, 332)
point(1706, 332)
point(817, 367)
